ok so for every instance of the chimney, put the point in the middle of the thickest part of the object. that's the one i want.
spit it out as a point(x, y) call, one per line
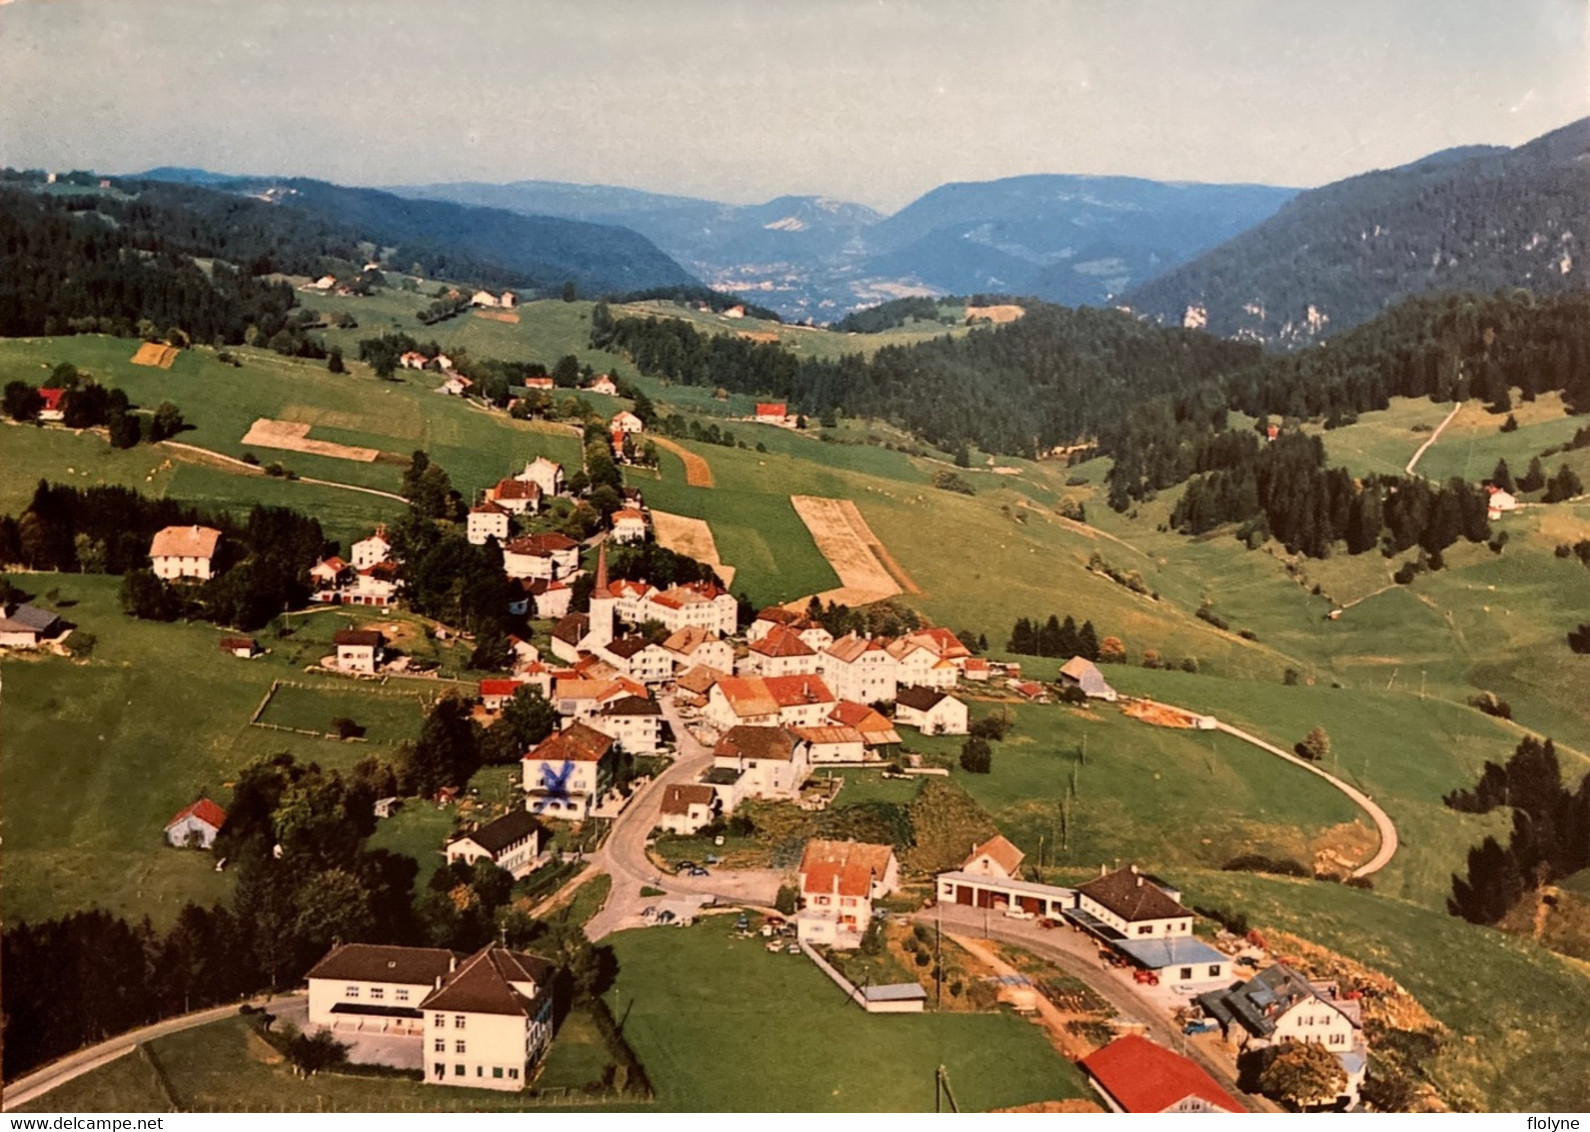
point(452, 965)
point(1104, 870)
point(1139, 878)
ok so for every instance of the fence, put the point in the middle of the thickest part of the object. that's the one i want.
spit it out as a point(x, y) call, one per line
point(276, 685)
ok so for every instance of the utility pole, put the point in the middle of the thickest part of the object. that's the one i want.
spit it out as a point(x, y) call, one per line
point(938, 963)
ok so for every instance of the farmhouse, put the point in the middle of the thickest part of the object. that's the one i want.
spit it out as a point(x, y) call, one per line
point(1132, 1074)
point(772, 412)
point(371, 551)
point(545, 474)
point(603, 384)
point(687, 807)
point(184, 552)
point(487, 521)
point(490, 1021)
point(27, 625)
point(1080, 672)
point(694, 685)
point(639, 659)
point(413, 359)
point(329, 573)
point(456, 385)
point(693, 646)
point(50, 407)
point(780, 653)
point(1144, 921)
point(196, 825)
point(1279, 1005)
point(860, 669)
point(550, 556)
point(930, 711)
point(495, 693)
point(877, 732)
point(635, 722)
point(626, 421)
point(629, 526)
point(517, 497)
point(995, 857)
point(769, 761)
point(839, 881)
point(921, 665)
point(359, 650)
point(515, 842)
point(244, 648)
point(1498, 502)
point(567, 774)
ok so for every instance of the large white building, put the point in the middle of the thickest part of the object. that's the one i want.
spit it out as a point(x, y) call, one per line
point(568, 774)
point(839, 880)
point(770, 762)
point(860, 669)
point(490, 1020)
point(698, 604)
point(368, 552)
point(544, 473)
point(487, 521)
point(184, 552)
point(550, 556)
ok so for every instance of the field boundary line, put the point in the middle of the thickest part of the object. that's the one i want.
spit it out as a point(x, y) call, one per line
point(251, 469)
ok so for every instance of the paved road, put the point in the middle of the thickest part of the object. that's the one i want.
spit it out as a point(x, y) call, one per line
point(41, 1081)
point(623, 856)
point(1077, 955)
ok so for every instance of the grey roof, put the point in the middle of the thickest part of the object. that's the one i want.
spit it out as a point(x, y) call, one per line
point(1257, 1003)
point(895, 992)
point(496, 836)
point(28, 619)
point(373, 963)
point(1086, 675)
point(1174, 951)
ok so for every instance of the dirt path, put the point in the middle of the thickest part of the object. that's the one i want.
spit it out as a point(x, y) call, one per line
point(1066, 1043)
point(232, 463)
point(698, 473)
point(843, 537)
point(692, 537)
point(1434, 436)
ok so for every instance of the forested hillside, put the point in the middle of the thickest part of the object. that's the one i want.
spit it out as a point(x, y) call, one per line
point(1334, 257)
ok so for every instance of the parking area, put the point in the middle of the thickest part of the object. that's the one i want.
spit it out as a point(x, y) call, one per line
point(365, 1047)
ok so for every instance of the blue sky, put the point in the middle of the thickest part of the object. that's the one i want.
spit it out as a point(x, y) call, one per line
point(875, 101)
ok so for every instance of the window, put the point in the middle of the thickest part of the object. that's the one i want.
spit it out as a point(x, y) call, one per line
point(351, 992)
point(479, 1072)
point(441, 1070)
point(496, 1071)
point(1146, 929)
point(439, 1046)
point(513, 1074)
point(1214, 970)
point(458, 1046)
point(377, 993)
point(1186, 972)
point(403, 994)
point(441, 1021)
point(458, 1021)
point(458, 1071)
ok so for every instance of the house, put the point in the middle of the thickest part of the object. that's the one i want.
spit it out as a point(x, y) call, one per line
point(413, 359)
point(567, 634)
point(568, 774)
point(495, 693)
point(490, 1021)
point(578, 697)
point(1132, 1074)
point(771, 617)
point(770, 762)
point(699, 604)
point(832, 744)
point(860, 669)
point(793, 701)
point(359, 650)
point(442, 361)
point(374, 585)
point(780, 653)
point(634, 722)
point(329, 574)
point(1498, 502)
point(363, 986)
point(487, 521)
point(196, 826)
point(638, 658)
point(27, 625)
point(1143, 920)
point(515, 842)
point(1029, 690)
point(545, 474)
point(975, 668)
point(184, 552)
point(692, 646)
point(51, 408)
point(371, 551)
point(484, 299)
point(550, 556)
point(839, 880)
point(603, 384)
point(1279, 1005)
point(540, 384)
point(517, 497)
point(931, 711)
point(456, 385)
point(944, 644)
point(627, 595)
point(509, 300)
point(626, 421)
point(694, 686)
point(877, 732)
point(687, 807)
point(995, 857)
point(771, 412)
point(735, 312)
point(538, 597)
point(629, 525)
point(1080, 672)
point(921, 665)
point(244, 648)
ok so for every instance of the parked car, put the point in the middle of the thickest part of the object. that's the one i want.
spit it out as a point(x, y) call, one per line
point(1201, 1026)
point(649, 912)
point(775, 946)
point(697, 871)
point(713, 859)
point(1019, 914)
point(1246, 961)
point(1146, 977)
point(666, 916)
point(793, 949)
point(1048, 923)
point(685, 866)
point(742, 923)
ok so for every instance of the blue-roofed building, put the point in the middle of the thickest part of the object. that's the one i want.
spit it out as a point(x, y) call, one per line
point(1180, 960)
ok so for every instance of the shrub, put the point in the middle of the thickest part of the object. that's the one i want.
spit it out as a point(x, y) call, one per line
point(1258, 863)
point(1579, 639)
point(977, 757)
point(1491, 704)
point(994, 727)
point(1315, 746)
point(788, 899)
point(1189, 664)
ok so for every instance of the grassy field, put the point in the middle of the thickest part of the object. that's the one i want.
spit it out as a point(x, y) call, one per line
point(1516, 1011)
point(722, 1026)
point(386, 719)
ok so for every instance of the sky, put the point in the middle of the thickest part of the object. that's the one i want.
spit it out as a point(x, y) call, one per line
point(874, 101)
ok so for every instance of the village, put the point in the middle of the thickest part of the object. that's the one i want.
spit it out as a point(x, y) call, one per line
point(725, 714)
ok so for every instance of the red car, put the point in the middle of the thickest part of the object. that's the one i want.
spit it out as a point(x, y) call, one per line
point(1146, 977)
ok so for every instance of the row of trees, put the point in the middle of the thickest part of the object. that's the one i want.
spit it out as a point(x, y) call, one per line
point(88, 404)
point(1055, 637)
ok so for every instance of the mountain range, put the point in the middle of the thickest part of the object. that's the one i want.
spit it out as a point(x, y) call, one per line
point(1477, 218)
point(1068, 239)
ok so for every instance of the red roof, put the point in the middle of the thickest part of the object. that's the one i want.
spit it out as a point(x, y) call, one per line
point(205, 810)
point(498, 687)
point(771, 409)
point(1144, 1077)
point(52, 398)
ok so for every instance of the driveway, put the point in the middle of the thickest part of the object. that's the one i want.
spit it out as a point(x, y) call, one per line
point(400, 1051)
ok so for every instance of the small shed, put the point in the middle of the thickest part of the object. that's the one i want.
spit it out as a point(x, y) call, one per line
point(196, 825)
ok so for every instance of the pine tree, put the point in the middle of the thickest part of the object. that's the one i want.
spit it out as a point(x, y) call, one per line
point(1503, 478)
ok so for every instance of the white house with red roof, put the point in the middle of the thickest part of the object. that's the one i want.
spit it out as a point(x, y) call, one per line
point(545, 474)
point(995, 857)
point(860, 669)
point(629, 525)
point(780, 653)
point(788, 701)
point(1132, 1074)
point(51, 408)
point(832, 744)
point(487, 521)
point(839, 880)
point(568, 774)
point(368, 552)
point(603, 384)
point(196, 825)
point(517, 497)
point(692, 646)
point(921, 665)
point(627, 422)
point(495, 692)
point(699, 604)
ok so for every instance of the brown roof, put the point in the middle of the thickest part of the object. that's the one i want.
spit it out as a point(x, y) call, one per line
point(756, 743)
point(372, 963)
point(779, 615)
point(1132, 896)
point(483, 984)
point(851, 648)
point(496, 836)
point(572, 629)
point(627, 647)
point(542, 545)
point(486, 508)
point(1005, 855)
point(577, 743)
point(782, 641)
point(828, 734)
point(369, 637)
point(689, 639)
point(631, 705)
point(920, 699)
point(748, 695)
point(185, 542)
point(700, 679)
point(678, 799)
point(516, 489)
